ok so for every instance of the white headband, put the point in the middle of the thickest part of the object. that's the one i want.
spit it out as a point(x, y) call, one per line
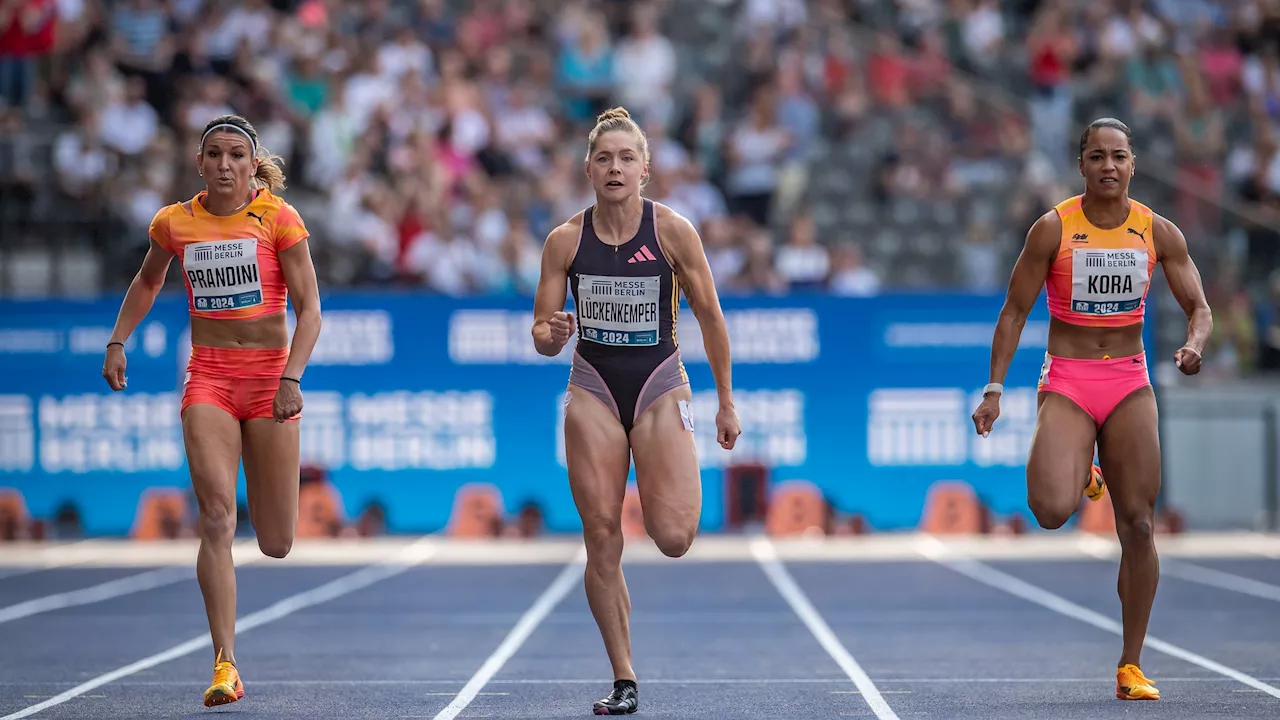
point(229, 126)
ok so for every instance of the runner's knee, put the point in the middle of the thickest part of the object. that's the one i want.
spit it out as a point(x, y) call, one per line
point(1134, 526)
point(275, 545)
point(1050, 513)
point(217, 523)
point(603, 538)
point(672, 540)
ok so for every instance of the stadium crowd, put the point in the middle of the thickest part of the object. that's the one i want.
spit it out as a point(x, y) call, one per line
point(846, 146)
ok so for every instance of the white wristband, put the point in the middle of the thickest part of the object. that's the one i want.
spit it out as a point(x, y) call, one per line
point(997, 388)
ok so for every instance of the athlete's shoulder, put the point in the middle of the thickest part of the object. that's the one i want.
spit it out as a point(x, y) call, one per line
point(1166, 237)
point(1069, 207)
point(562, 242)
point(1048, 224)
point(671, 222)
point(287, 226)
point(274, 208)
point(161, 222)
point(1142, 209)
point(568, 231)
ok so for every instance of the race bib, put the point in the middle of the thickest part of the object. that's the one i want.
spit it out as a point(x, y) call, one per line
point(619, 310)
point(1105, 282)
point(223, 275)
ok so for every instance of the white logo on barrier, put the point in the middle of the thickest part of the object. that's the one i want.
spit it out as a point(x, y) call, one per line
point(481, 337)
point(27, 340)
point(421, 430)
point(134, 432)
point(17, 434)
point(933, 427)
point(323, 434)
point(353, 337)
point(916, 427)
point(1035, 334)
point(768, 335)
point(1010, 441)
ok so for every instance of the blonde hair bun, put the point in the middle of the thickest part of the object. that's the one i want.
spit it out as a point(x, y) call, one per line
point(618, 113)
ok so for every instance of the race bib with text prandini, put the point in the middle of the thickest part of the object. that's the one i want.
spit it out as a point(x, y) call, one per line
point(619, 310)
point(1108, 281)
point(223, 274)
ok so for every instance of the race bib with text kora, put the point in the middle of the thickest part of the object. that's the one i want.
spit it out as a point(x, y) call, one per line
point(223, 275)
point(1105, 282)
point(619, 310)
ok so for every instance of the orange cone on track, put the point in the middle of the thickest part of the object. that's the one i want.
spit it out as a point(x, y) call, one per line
point(796, 507)
point(952, 508)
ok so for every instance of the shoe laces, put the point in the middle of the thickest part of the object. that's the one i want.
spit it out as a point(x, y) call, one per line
point(1137, 672)
point(224, 671)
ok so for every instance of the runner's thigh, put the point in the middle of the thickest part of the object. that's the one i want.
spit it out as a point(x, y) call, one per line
point(1129, 450)
point(271, 478)
point(599, 458)
point(1061, 455)
point(667, 472)
point(211, 437)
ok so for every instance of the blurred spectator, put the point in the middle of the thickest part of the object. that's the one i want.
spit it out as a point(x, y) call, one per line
point(802, 262)
point(755, 150)
point(27, 29)
point(849, 277)
point(645, 66)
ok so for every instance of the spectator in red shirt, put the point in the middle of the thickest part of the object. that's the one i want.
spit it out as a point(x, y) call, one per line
point(26, 32)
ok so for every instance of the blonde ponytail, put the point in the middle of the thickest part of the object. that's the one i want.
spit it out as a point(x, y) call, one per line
point(269, 174)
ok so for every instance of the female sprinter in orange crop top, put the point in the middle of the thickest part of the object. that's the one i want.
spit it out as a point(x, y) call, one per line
point(1094, 254)
point(243, 253)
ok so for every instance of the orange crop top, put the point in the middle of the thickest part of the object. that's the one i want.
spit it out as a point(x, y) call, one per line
point(1100, 278)
point(231, 263)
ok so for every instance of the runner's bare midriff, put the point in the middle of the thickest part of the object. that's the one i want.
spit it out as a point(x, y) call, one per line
point(268, 331)
point(1092, 343)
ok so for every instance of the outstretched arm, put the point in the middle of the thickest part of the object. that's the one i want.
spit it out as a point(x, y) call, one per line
point(684, 247)
point(1185, 284)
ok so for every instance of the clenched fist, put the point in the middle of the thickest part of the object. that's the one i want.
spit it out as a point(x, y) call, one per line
point(562, 327)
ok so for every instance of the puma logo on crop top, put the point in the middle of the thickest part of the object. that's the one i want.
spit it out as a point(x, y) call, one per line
point(231, 263)
point(1099, 277)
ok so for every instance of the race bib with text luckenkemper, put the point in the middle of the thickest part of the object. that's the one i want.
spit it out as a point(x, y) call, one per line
point(1108, 281)
point(223, 274)
point(619, 310)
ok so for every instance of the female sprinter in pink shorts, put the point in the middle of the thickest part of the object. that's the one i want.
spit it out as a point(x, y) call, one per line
point(1095, 253)
point(243, 252)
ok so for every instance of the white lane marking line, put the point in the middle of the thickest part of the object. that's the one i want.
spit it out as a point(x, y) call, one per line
point(767, 557)
point(1221, 580)
point(408, 558)
point(568, 578)
point(647, 681)
point(937, 551)
point(128, 585)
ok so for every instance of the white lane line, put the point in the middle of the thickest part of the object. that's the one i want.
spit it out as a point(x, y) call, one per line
point(937, 551)
point(58, 561)
point(767, 557)
point(568, 578)
point(1221, 580)
point(410, 557)
point(149, 580)
point(347, 682)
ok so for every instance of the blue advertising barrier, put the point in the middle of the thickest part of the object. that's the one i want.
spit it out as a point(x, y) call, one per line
point(409, 397)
